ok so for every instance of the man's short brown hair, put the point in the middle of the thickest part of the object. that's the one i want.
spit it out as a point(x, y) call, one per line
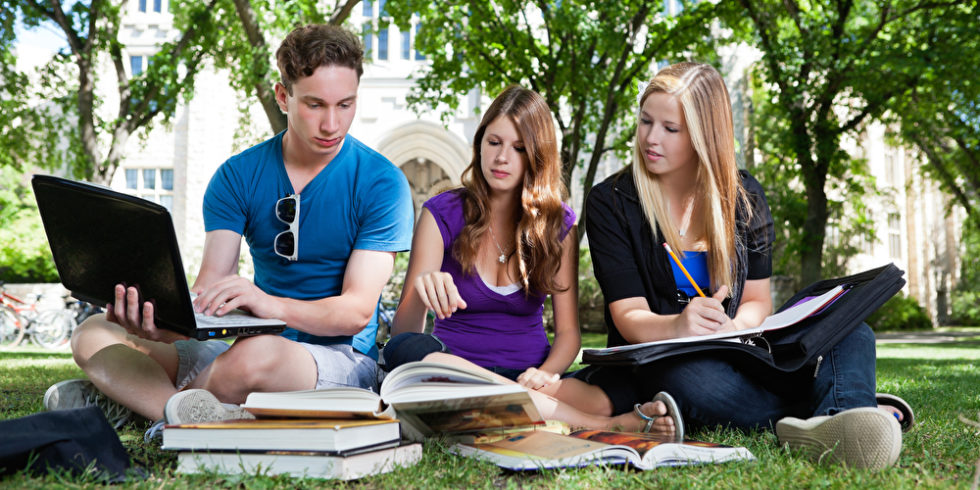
point(311, 46)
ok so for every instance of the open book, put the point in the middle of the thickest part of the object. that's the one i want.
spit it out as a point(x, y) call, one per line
point(535, 450)
point(427, 397)
point(802, 310)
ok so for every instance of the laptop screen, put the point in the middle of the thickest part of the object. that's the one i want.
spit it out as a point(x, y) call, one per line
point(100, 238)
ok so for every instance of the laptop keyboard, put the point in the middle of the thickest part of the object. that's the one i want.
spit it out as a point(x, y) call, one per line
point(230, 320)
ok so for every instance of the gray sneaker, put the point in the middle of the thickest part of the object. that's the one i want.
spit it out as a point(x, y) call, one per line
point(198, 406)
point(80, 393)
point(860, 437)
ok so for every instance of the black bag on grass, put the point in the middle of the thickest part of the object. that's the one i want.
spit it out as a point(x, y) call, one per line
point(76, 440)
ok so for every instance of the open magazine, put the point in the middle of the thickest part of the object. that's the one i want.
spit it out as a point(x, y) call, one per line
point(428, 397)
point(534, 450)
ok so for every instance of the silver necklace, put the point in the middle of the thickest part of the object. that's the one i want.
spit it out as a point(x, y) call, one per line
point(503, 257)
point(686, 219)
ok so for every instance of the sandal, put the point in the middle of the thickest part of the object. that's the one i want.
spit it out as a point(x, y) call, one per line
point(672, 411)
point(908, 417)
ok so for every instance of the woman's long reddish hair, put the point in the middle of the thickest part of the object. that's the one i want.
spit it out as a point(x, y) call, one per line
point(541, 215)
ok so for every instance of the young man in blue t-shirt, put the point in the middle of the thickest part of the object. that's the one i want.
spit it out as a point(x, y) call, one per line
point(323, 216)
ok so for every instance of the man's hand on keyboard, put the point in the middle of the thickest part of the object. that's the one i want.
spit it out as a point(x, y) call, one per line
point(233, 292)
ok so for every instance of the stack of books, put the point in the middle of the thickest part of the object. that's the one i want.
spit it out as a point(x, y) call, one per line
point(314, 448)
point(347, 433)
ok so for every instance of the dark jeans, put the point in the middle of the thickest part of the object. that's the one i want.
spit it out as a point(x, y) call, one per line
point(711, 391)
point(411, 347)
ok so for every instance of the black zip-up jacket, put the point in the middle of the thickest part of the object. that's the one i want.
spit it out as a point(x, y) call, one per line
point(629, 262)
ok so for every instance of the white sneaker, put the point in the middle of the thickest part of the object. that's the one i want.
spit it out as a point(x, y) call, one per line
point(199, 406)
point(864, 437)
point(80, 393)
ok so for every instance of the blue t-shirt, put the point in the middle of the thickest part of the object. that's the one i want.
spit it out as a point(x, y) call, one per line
point(360, 200)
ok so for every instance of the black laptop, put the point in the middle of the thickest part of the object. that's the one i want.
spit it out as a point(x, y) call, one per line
point(100, 238)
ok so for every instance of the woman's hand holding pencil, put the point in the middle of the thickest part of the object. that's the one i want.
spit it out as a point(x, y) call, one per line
point(703, 315)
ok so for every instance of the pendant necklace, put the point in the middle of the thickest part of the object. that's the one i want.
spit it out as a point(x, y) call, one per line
point(686, 219)
point(503, 257)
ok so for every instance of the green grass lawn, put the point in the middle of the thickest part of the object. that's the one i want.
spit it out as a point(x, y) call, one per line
point(941, 381)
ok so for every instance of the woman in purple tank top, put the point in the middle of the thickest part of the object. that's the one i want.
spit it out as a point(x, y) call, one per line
point(484, 258)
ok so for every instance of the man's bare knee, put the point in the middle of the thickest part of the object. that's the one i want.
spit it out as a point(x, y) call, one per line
point(93, 335)
point(249, 362)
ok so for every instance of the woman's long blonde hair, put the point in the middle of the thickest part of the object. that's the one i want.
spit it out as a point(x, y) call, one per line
point(708, 115)
point(542, 217)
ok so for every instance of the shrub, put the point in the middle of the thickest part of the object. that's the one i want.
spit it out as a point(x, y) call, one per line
point(966, 308)
point(900, 313)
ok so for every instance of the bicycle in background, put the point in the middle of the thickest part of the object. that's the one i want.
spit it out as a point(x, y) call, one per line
point(21, 317)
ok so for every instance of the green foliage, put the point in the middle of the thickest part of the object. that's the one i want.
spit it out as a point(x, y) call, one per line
point(965, 308)
point(585, 58)
point(900, 313)
point(966, 296)
point(24, 252)
point(941, 116)
point(95, 133)
point(828, 69)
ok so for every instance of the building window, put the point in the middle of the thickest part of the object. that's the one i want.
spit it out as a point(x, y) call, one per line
point(368, 8)
point(418, 56)
point(136, 65)
point(158, 6)
point(383, 43)
point(407, 45)
point(381, 9)
point(895, 235)
point(153, 184)
point(367, 37)
point(142, 5)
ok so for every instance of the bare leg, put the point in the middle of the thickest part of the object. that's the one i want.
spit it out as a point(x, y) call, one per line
point(135, 372)
point(581, 395)
point(553, 409)
point(260, 363)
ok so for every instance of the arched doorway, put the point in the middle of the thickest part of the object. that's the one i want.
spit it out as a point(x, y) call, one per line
point(431, 157)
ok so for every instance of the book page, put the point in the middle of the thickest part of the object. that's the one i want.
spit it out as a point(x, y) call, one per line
point(423, 373)
point(338, 402)
point(470, 413)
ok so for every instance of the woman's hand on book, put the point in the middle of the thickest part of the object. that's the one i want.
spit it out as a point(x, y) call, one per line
point(535, 379)
point(704, 316)
point(438, 293)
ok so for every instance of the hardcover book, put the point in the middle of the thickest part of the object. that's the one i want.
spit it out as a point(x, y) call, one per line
point(281, 434)
point(301, 464)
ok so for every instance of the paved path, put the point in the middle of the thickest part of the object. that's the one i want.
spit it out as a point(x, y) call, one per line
point(925, 337)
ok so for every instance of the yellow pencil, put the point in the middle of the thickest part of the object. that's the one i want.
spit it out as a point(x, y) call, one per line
point(684, 270)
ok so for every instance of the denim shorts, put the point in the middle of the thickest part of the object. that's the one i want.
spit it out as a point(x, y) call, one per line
point(336, 365)
point(195, 355)
point(342, 365)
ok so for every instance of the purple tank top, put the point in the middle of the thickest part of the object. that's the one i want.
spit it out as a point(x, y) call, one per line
point(494, 330)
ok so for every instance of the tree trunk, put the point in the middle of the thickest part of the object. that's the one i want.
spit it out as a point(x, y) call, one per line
point(814, 232)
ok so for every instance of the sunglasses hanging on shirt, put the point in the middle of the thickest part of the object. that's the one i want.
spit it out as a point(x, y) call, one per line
point(286, 244)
